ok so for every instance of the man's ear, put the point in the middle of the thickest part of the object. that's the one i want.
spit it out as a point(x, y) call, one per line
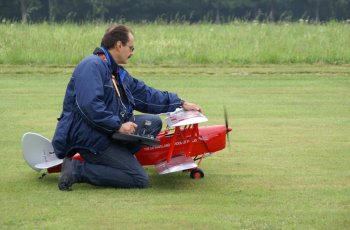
point(118, 45)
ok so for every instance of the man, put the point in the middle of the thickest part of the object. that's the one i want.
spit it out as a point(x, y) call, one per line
point(99, 101)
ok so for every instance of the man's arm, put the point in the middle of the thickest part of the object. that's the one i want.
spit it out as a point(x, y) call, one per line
point(90, 97)
point(151, 100)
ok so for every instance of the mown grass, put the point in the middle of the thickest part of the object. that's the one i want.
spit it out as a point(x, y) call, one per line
point(232, 43)
point(287, 166)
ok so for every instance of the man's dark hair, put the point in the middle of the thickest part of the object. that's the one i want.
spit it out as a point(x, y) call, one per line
point(115, 33)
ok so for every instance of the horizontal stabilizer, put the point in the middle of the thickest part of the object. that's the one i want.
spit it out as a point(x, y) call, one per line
point(38, 152)
point(48, 164)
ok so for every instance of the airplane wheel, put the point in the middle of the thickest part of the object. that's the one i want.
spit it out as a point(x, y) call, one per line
point(197, 173)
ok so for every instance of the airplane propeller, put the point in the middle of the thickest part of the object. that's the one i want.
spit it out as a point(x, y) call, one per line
point(228, 129)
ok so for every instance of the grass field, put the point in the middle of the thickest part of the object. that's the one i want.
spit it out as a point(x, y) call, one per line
point(287, 166)
point(232, 43)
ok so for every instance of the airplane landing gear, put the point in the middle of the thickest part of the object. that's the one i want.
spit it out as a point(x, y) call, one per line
point(197, 173)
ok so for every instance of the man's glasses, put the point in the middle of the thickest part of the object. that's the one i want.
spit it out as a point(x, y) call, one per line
point(131, 48)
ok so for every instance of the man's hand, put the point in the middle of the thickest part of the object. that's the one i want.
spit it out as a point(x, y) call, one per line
point(191, 106)
point(128, 128)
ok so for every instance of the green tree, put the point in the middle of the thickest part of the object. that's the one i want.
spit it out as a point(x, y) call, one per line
point(53, 10)
point(27, 8)
point(316, 6)
point(227, 5)
point(101, 7)
point(340, 9)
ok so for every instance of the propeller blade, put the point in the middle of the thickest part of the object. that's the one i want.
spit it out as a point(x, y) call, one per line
point(228, 129)
point(226, 119)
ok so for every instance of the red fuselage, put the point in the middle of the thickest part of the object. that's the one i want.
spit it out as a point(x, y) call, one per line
point(189, 141)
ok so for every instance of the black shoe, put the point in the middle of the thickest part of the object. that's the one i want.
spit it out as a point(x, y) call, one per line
point(66, 179)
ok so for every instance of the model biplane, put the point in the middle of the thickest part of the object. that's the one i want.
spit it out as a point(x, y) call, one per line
point(180, 147)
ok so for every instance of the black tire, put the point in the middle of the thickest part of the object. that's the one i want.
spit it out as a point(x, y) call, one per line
point(197, 173)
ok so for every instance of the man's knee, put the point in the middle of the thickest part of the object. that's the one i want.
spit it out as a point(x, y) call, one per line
point(156, 125)
point(143, 181)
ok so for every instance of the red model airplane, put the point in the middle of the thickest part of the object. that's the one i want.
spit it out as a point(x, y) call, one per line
point(177, 148)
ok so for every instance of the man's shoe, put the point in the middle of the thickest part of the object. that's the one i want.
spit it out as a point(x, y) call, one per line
point(66, 179)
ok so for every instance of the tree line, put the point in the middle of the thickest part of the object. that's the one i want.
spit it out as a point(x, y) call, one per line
point(192, 11)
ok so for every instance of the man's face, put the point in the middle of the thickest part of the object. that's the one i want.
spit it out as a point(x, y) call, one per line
point(125, 51)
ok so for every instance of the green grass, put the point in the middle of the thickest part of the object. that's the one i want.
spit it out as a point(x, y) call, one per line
point(287, 166)
point(232, 43)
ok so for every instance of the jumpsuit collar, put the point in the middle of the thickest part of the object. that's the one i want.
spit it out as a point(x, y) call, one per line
point(110, 61)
